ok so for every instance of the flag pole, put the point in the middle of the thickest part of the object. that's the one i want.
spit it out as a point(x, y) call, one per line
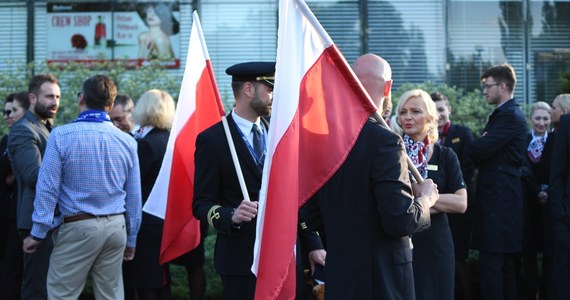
point(224, 119)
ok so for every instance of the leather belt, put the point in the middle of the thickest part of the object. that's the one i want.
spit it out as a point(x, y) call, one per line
point(85, 216)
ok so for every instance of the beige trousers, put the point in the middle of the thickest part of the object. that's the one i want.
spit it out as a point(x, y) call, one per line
point(93, 246)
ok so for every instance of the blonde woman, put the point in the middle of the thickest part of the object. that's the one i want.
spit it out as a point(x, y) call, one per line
point(154, 114)
point(433, 256)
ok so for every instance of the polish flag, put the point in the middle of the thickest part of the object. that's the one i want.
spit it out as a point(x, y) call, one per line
point(319, 108)
point(199, 107)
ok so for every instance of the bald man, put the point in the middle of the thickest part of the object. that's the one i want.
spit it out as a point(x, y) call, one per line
point(368, 209)
point(375, 75)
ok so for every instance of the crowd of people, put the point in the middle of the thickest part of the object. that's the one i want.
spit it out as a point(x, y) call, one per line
point(74, 195)
point(90, 178)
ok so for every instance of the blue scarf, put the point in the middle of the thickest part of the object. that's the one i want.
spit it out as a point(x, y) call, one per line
point(93, 115)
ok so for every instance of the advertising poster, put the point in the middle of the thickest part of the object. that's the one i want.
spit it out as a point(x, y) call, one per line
point(131, 32)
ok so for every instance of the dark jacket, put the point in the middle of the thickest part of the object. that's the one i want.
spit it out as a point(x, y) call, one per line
point(27, 142)
point(216, 183)
point(499, 154)
point(559, 187)
point(368, 213)
point(151, 151)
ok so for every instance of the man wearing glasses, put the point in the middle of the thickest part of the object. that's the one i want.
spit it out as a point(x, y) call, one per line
point(499, 154)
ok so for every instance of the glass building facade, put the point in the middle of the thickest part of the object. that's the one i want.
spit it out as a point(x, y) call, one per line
point(444, 41)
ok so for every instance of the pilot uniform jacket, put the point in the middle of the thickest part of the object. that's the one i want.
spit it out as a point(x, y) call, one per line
point(368, 212)
point(217, 194)
point(499, 154)
point(27, 142)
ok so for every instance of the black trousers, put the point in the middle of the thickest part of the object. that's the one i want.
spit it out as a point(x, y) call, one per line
point(11, 277)
point(36, 266)
point(498, 275)
point(238, 287)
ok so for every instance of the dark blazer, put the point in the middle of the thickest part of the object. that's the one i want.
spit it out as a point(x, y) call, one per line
point(216, 184)
point(145, 271)
point(368, 212)
point(559, 187)
point(499, 154)
point(559, 211)
point(151, 151)
point(27, 142)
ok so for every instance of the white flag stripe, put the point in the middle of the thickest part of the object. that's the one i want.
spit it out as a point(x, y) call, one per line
point(156, 203)
point(300, 41)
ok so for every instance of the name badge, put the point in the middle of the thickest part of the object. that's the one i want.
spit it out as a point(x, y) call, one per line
point(455, 140)
point(432, 167)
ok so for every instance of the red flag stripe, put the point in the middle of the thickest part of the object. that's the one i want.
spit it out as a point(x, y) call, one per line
point(332, 110)
point(199, 107)
point(181, 231)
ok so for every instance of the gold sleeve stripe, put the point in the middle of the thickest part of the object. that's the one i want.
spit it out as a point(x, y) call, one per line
point(213, 214)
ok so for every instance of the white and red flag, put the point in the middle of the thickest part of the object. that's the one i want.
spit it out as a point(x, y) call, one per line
point(319, 108)
point(199, 107)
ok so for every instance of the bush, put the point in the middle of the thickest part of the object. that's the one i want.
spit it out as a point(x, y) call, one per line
point(130, 81)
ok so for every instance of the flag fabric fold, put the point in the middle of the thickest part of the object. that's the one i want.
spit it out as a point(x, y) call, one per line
point(319, 108)
point(199, 107)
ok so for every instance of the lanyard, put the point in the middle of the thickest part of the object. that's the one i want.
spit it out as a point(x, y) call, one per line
point(255, 157)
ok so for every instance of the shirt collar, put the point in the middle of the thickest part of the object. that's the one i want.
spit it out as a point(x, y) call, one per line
point(244, 125)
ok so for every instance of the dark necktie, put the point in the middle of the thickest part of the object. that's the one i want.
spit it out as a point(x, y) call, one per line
point(258, 142)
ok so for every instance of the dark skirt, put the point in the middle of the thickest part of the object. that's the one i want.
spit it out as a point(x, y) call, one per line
point(145, 271)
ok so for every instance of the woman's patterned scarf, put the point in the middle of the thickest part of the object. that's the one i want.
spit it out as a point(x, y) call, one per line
point(534, 150)
point(418, 153)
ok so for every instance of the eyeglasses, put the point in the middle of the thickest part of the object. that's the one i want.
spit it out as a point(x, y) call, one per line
point(488, 85)
point(7, 112)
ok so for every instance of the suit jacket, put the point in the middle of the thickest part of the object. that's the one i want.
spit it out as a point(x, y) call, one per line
point(216, 188)
point(151, 151)
point(27, 142)
point(499, 154)
point(368, 213)
point(559, 187)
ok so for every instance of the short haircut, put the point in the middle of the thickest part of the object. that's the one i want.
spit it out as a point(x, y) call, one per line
point(540, 105)
point(437, 96)
point(237, 86)
point(431, 111)
point(123, 100)
point(38, 80)
point(502, 73)
point(22, 98)
point(155, 108)
point(10, 98)
point(99, 92)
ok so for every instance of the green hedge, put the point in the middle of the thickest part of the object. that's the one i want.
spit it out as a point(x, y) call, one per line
point(71, 76)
